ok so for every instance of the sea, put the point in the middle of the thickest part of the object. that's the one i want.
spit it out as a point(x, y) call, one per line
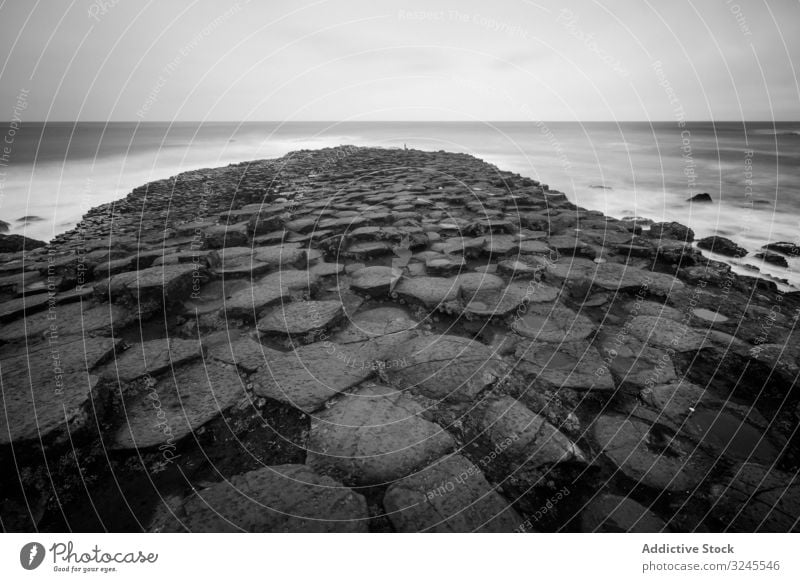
point(51, 174)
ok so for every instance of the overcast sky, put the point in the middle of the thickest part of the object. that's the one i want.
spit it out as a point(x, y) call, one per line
point(400, 60)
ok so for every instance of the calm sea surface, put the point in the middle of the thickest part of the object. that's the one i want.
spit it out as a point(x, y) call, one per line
point(57, 171)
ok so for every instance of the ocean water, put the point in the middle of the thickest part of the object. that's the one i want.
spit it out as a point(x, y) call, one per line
point(58, 171)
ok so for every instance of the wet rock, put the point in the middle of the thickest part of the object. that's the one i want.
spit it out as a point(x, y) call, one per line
point(647, 455)
point(666, 333)
point(431, 292)
point(25, 305)
point(149, 290)
point(306, 317)
point(445, 367)
point(228, 235)
point(151, 358)
point(721, 246)
point(616, 277)
point(309, 376)
point(50, 391)
point(773, 259)
point(519, 269)
point(787, 248)
point(634, 362)
point(283, 255)
point(277, 499)
point(451, 495)
point(671, 230)
point(374, 436)
point(13, 243)
point(611, 513)
point(757, 499)
point(553, 322)
point(444, 267)
point(472, 284)
point(175, 405)
point(702, 197)
point(526, 436)
point(375, 281)
point(574, 365)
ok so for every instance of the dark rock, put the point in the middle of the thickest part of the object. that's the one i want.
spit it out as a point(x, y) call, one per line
point(451, 495)
point(277, 499)
point(702, 197)
point(374, 436)
point(773, 259)
point(671, 230)
point(722, 246)
point(785, 248)
point(12, 243)
point(4, 226)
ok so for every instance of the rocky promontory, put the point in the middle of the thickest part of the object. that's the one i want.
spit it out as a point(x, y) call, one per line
point(362, 339)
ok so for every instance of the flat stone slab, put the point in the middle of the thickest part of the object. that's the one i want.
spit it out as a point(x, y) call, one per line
point(374, 436)
point(87, 318)
point(151, 357)
point(666, 333)
point(526, 436)
point(49, 390)
point(648, 457)
point(615, 514)
point(178, 404)
point(635, 362)
point(326, 269)
point(553, 322)
point(309, 376)
point(277, 499)
point(432, 292)
point(279, 255)
point(375, 281)
point(25, 305)
point(451, 495)
point(150, 289)
point(446, 367)
point(754, 498)
point(472, 284)
point(301, 318)
point(617, 277)
point(574, 365)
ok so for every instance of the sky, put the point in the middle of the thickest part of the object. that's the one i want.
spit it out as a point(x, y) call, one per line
point(366, 60)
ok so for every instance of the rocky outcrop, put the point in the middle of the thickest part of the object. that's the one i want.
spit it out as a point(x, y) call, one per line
point(233, 349)
point(722, 246)
point(14, 243)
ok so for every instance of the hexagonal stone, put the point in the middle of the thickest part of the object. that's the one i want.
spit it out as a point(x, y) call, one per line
point(635, 362)
point(309, 376)
point(472, 284)
point(574, 365)
point(650, 456)
point(150, 289)
point(614, 277)
point(570, 269)
point(368, 249)
point(279, 255)
point(374, 436)
point(151, 357)
point(444, 267)
point(326, 269)
point(305, 317)
point(666, 333)
point(221, 236)
point(451, 495)
point(91, 319)
point(27, 304)
point(526, 436)
point(249, 304)
point(375, 281)
point(611, 513)
point(49, 392)
point(446, 367)
point(432, 292)
point(754, 498)
point(518, 269)
point(178, 404)
point(553, 322)
point(277, 499)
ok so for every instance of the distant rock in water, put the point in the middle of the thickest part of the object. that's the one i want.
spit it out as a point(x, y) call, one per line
point(4, 226)
point(29, 219)
point(12, 243)
point(702, 197)
point(596, 187)
point(722, 246)
point(785, 248)
point(773, 259)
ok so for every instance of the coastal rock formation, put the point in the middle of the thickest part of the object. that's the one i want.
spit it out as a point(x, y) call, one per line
point(702, 197)
point(366, 339)
point(722, 246)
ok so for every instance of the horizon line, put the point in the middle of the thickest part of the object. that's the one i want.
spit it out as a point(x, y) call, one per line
point(331, 121)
